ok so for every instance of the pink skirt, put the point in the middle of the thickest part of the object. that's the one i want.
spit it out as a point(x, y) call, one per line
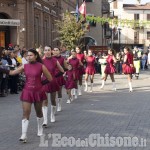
point(51, 87)
point(110, 69)
point(90, 70)
point(128, 69)
point(70, 84)
point(81, 70)
point(77, 75)
point(33, 96)
point(60, 80)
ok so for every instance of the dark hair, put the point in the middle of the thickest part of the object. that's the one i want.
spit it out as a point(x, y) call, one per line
point(78, 47)
point(111, 50)
point(23, 52)
point(73, 51)
point(50, 47)
point(38, 59)
point(127, 48)
point(57, 48)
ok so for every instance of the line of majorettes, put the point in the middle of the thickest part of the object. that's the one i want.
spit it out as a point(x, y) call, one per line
point(56, 72)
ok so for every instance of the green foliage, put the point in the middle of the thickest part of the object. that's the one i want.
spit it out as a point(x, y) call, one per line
point(70, 31)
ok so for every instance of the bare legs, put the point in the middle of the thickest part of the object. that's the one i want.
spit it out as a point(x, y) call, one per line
point(112, 79)
point(91, 81)
point(70, 98)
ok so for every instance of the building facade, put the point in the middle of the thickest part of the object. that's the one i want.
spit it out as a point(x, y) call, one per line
point(139, 36)
point(37, 21)
point(97, 8)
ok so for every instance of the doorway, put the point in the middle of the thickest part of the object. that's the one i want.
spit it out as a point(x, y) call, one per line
point(4, 32)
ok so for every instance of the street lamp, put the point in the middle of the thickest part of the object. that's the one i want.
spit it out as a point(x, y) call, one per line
point(119, 29)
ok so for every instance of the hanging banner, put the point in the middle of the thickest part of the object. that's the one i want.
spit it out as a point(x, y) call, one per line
point(9, 22)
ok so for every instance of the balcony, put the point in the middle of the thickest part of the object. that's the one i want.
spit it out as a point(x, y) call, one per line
point(105, 7)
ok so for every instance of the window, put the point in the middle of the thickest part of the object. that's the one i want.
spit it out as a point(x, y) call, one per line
point(136, 17)
point(148, 35)
point(148, 17)
point(115, 4)
point(45, 32)
point(136, 37)
point(36, 31)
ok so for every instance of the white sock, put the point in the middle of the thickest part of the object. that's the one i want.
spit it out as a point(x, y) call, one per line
point(25, 124)
point(76, 93)
point(91, 87)
point(80, 90)
point(130, 86)
point(45, 110)
point(103, 83)
point(53, 109)
point(40, 127)
point(86, 86)
point(59, 104)
point(114, 86)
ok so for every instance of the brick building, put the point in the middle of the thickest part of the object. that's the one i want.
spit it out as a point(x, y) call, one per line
point(36, 21)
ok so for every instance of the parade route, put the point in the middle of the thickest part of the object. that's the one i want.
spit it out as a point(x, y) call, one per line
point(104, 112)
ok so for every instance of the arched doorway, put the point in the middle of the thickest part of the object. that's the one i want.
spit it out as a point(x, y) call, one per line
point(4, 32)
point(87, 41)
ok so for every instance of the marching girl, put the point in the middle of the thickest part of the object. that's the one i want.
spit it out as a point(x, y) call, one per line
point(128, 67)
point(70, 82)
point(110, 69)
point(81, 57)
point(52, 87)
point(76, 63)
point(60, 78)
point(90, 70)
point(32, 91)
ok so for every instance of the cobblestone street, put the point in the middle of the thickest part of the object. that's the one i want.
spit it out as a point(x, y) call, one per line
point(119, 114)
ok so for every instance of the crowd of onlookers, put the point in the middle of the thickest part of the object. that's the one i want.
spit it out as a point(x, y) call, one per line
point(14, 56)
point(11, 58)
point(139, 55)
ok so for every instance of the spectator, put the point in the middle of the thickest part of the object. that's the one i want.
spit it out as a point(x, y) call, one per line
point(24, 57)
point(10, 47)
point(12, 61)
point(144, 60)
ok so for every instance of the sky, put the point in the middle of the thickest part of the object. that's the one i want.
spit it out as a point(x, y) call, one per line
point(135, 1)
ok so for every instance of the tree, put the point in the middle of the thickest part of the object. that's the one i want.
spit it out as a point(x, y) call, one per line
point(70, 31)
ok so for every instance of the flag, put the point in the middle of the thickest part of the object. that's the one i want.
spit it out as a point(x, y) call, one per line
point(82, 9)
point(77, 11)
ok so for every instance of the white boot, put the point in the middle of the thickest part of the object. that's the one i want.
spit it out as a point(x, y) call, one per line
point(59, 104)
point(53, 109)
point(91, 90)
point(25, 124)
point(73, 92)
point(80, 90)
point(86, 86)
point(68, 101)
point(114, 86)
point(76, 93)
point(40, 127)
point(103, 83)
point(130, 87)
point(45, 110)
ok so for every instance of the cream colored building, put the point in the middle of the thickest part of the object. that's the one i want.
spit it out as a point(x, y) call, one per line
point(139, 36)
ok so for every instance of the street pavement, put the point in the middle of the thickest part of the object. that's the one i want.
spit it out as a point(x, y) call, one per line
point(104, 112)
